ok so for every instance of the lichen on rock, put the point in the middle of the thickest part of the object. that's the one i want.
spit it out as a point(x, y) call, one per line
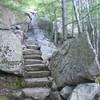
point(11, 60)
point(74, 63)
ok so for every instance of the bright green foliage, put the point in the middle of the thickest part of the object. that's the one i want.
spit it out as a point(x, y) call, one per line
point(50, 9)
point(11, 4)
point(47, 8)
point(17, 4)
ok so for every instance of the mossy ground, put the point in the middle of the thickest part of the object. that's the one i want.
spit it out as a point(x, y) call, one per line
point(10, 98)
point(3, 98)
point(11, 81)
point(97, 80)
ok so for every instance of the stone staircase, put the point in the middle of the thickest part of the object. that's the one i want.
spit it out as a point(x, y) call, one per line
point(37, 75)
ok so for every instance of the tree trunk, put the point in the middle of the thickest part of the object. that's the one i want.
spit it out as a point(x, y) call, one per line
point(77, 16)
point(64, 18)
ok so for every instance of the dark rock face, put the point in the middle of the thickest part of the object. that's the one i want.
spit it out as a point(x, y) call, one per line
point(10, 81)
point(45, 25)
point(75, 62)
point(55, 95)
point(99, 49)
point(10, 53)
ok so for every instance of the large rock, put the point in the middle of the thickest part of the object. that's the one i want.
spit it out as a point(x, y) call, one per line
point(47, 47)
point(66, 91)
point(75, 62)
point(7, 17)
point(87, 91)
point(10, 53)
point(10, 17)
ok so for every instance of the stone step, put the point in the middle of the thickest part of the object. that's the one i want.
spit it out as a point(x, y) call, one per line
point(32, 61)
point(37, 74)
point(31, 52)
point(33, 47)
point(36, 93)
point(32, 57)
point(35, 67)
point(38, 82)
point(28, 99)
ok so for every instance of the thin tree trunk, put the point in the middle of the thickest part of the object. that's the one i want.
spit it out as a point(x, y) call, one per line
point(55, 35)
point(77, 16)
point(91, 33)
point(73, 22)
point(64, 18)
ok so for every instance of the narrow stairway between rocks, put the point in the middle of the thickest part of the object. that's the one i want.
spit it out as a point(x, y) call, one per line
point(37, 75)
